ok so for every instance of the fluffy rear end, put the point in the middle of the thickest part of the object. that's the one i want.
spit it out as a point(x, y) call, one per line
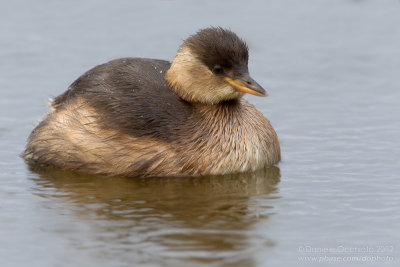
point(71, 138)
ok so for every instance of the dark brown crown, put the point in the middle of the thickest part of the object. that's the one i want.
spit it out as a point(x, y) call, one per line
point(216, 45)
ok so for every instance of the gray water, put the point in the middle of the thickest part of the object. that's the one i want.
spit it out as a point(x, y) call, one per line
point(332, 70)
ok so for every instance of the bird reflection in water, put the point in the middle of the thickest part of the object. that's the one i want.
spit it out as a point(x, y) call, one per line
point(194, 215)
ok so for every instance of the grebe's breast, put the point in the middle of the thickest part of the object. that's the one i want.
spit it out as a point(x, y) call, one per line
point(230, 137)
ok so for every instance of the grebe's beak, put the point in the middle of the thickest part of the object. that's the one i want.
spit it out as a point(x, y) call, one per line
point(245, 84)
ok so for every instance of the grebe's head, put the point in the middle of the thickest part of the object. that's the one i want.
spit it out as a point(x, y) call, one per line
point(211, 67)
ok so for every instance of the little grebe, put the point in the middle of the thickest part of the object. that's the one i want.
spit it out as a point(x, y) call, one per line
point(148, 117)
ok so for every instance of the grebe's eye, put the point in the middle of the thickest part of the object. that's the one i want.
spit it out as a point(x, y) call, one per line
point(218, 69)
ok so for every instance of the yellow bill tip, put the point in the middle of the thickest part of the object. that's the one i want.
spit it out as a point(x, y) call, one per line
point(246, 88)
